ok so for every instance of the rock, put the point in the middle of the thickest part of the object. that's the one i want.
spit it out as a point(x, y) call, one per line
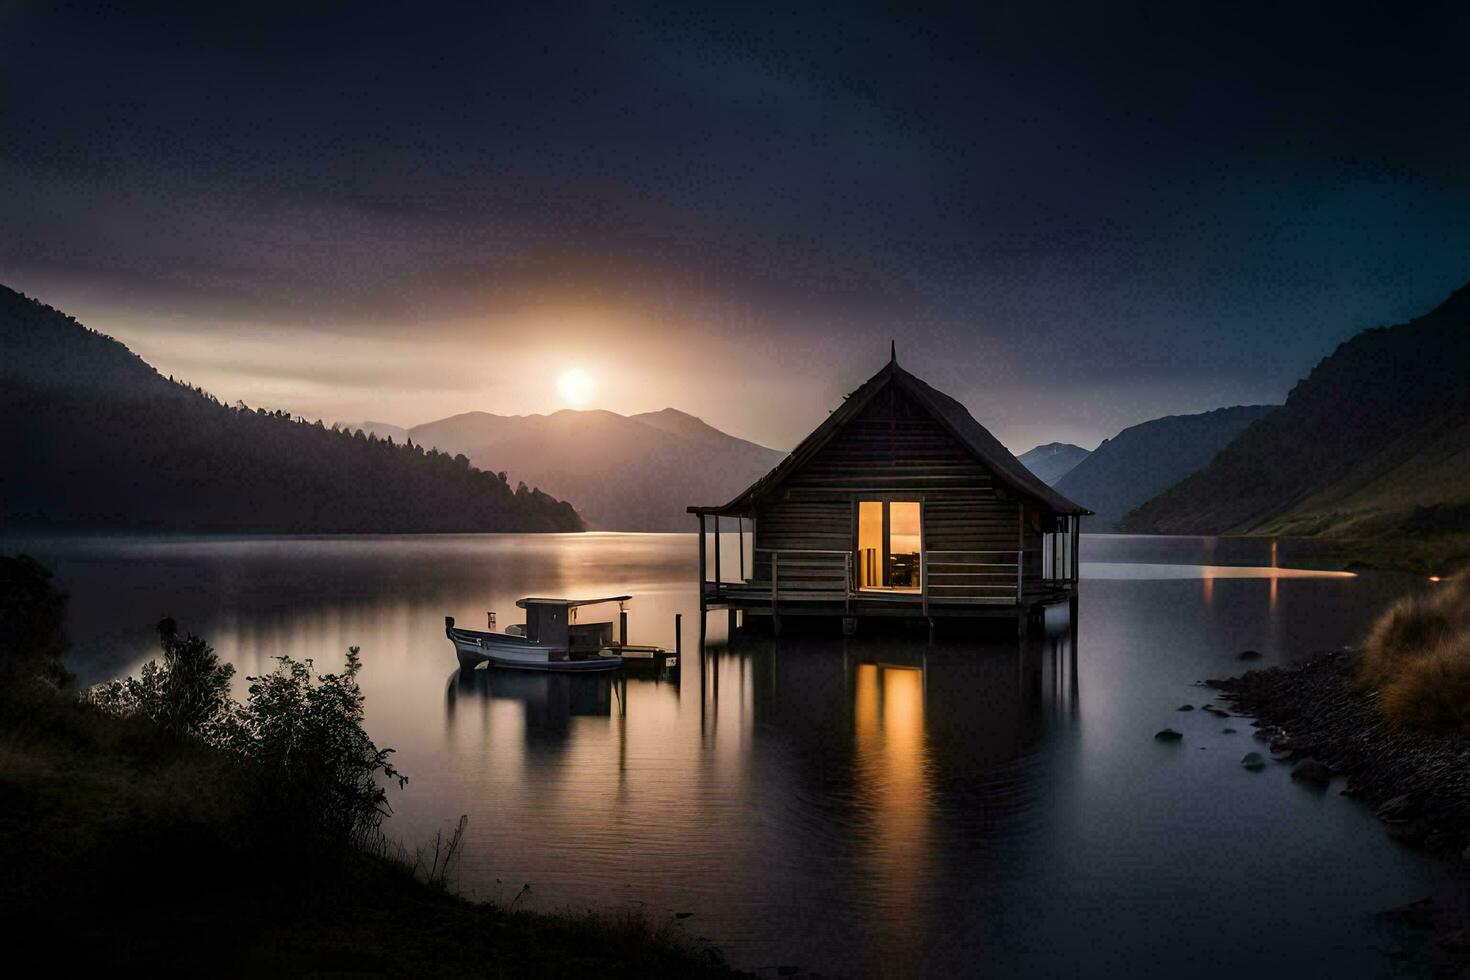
point(1186, 707)
point(1168, 735)
point(1248, 655)
point(1398, 808)
point(1227, 731)
point(1409, 831)
point(1253, 761)
point(1420, 913)
point(1313, 773)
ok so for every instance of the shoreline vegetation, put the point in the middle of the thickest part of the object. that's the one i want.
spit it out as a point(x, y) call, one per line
point(1393, 718)
point(157, 824)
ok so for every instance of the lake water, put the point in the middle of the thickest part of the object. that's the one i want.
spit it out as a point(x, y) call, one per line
point(879, 806)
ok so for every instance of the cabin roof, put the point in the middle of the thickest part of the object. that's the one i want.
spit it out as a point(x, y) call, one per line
point(954, 416)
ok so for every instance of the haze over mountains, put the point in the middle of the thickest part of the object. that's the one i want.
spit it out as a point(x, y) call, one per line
point(1053, 461)
point(1146, 459)
point(1373, 444)
point(623, 473)
point(97, 438)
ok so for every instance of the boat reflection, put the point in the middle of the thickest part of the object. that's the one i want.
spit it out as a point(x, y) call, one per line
point(548, 701)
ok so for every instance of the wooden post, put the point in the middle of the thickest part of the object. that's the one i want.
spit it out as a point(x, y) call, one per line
point(775, 590)
point(679, 637)
point(924, 585)
point(701, 561)
point(775, 573)
point(717, 553)
point(1076, 548)
point(622, 626)
point(1020, 552)
point(729, 623)
point(740, 533)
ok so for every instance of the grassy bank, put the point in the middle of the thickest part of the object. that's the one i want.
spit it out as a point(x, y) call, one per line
point(132, 845)
point(1435, 553)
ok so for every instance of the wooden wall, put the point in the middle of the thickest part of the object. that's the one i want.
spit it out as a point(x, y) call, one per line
point(893, 446)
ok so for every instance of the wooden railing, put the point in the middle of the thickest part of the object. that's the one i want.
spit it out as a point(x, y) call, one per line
point(809, 574)
point(950, 577)
point(982, 577)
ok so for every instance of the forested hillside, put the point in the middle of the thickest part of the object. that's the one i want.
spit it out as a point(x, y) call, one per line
point(94, 437)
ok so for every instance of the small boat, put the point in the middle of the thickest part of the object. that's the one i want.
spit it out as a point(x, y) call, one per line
point(550, 640)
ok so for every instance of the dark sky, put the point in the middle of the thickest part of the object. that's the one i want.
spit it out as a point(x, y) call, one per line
point(1071, 217)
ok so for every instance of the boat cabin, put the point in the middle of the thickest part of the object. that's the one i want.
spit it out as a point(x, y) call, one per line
point(553, 622)
point(899, 504)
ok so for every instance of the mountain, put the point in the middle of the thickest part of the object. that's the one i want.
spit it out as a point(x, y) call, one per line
point(1372, 446)
point(1053, 461)
point(96, 438)
point(381, 430)
point(1148, 458)
point(624, 473)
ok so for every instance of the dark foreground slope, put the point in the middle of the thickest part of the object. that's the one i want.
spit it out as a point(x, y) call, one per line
point(95, 437)
point(134, 849)
point(1372, 447)
point(1148, 458)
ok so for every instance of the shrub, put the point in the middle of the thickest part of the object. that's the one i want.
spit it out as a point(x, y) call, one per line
point(1417, 656)
point(32, 625)
point(187, 694)
point(1431, 693)
point(305, 733)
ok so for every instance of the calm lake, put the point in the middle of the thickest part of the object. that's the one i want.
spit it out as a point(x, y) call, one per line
point(879, 806)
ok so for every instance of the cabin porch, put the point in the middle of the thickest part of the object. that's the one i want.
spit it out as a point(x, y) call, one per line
point(1016, 582)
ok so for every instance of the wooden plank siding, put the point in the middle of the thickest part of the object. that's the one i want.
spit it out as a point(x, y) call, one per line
point(896, 448)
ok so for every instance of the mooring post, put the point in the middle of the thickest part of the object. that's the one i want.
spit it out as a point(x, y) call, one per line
point(679, 637)
point(622, 626)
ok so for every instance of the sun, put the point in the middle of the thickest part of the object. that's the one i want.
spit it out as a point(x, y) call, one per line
point(576, 387)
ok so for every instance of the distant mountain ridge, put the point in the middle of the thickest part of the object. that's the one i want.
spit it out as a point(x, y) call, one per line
point(1373, 444)
point(623, 473)
point(99, 439)
point(381, 430)
point(1146, 459)
point(1053, 460)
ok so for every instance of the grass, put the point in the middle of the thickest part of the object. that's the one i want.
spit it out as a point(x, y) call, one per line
point(127, 848)
point(1417, 657)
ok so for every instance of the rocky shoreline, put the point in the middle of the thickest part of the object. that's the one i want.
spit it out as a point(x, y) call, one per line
point(1419, 786)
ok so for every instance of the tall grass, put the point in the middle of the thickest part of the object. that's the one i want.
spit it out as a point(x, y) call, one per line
point(1417, 657)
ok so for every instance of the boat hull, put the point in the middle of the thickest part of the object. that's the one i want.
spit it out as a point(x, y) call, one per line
point(474, 647)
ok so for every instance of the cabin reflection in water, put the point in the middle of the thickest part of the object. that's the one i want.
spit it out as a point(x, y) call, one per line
point(914, 750)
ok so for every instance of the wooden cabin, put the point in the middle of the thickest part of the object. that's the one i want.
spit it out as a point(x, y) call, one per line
point(899, 504)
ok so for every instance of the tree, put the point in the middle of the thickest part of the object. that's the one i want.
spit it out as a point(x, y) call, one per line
point(188, 693)
point(305, 733)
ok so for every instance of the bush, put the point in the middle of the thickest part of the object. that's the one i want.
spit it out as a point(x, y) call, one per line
point(32, 625)
point(299, 734)
point(305, 733)
point(1417, 656)
point(187, 694)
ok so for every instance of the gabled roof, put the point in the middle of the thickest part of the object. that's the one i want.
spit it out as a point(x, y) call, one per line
point(954, 416)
